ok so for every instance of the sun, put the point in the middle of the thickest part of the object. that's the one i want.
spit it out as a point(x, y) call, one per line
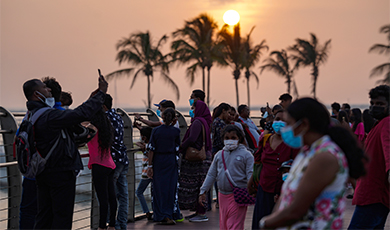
point(231, 17)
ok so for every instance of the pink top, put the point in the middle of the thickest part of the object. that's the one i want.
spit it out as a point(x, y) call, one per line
point(360, 132)
point(94, 155)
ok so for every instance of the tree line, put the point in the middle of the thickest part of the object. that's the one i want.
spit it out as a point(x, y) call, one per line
point(199, 45)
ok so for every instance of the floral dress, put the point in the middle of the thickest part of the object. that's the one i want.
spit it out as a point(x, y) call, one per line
point(327, 210)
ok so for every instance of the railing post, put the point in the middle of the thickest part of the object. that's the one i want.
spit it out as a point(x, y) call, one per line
point(182, 124)
point(152, 115)
point(128, 141)
point(8, 123)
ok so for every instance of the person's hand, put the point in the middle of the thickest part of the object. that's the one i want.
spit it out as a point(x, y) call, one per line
point(141, 145)
point(251, 187)
point(276, 197)
point(137, 116)
point(149, 173)
point(202, 199)
point(103, 84)
point(269, 110)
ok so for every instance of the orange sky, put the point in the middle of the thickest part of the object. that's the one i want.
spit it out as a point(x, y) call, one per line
point(70, 39)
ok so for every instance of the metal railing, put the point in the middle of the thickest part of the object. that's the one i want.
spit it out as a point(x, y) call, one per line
point(86, 206)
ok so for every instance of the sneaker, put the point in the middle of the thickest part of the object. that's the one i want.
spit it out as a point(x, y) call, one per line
point(199, 218)
point(190, 216)
point(181, 218)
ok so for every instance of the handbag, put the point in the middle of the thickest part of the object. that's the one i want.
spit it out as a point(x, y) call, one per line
point(194, 155)
point(241, 195)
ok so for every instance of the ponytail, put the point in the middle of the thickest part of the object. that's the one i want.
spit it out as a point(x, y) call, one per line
point(169, 115)
point(349, 145)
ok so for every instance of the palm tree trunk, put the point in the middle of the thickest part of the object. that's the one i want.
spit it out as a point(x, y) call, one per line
point(288, 84)
point(203, 79)
point(238, 101)
point(315, 77)
point(149, 100)
point(208, 86)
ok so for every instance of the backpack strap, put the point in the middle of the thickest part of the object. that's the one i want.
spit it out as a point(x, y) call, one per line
point(38, 113)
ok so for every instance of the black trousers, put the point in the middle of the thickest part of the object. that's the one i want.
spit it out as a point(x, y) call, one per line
point(103, 180)
point(56, 193)
point(263, 207)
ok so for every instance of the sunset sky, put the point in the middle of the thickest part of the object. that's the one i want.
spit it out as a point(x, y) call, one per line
point(71, 39)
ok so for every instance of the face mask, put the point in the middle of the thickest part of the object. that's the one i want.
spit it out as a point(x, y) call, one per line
point(265, 115)
point(230, 144)
point(191, 102)
point(277, 125)
point(48, 100)
point(158, 113)
point(192, 115)
point(284, 176)
point(288, 137)
point(378, 112)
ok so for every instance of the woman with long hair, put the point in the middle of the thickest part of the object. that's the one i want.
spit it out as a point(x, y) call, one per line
point(163, 169)
point(192, 174)
point(357, 124)
point(313, 195)
point(102, 165)
point(343, 118)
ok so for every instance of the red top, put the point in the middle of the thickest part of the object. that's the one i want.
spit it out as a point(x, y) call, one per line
point(94, 155)
point(374, 187)
point(270, 178)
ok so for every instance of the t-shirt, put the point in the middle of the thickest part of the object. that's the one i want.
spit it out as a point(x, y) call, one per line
point(360, 133)
point(374, 187)
point(94, 155)
point(176, 125)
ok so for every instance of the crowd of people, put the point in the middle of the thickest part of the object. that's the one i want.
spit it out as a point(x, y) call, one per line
point(298, 164)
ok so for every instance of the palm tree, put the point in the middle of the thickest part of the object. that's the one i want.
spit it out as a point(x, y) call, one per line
point(233, 51)
point(138, 50)
point(251, 57)
point(310, 53)
point(196, 46)
point(278, 61)
point(382, 49)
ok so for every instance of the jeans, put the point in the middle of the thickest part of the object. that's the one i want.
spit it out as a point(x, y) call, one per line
point(122, 196)
point(372, 216)
point(28, 204)
point(142, 186)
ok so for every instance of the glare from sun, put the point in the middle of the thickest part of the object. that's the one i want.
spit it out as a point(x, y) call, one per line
point(231, 17)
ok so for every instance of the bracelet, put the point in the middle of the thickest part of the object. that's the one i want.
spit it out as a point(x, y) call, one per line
point(262, 223)
point(150, 166)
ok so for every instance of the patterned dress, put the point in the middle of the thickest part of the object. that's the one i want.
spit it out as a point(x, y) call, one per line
point(327, 210)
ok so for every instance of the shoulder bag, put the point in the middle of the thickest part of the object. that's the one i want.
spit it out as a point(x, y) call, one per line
point(194, 155)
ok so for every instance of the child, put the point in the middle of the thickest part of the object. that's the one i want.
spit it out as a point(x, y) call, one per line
point(239, 162)
point(145, 181)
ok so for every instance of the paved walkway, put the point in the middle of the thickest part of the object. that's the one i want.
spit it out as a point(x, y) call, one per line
point(213, 222)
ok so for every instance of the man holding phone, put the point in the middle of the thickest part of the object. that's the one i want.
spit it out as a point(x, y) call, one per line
point(56, 184)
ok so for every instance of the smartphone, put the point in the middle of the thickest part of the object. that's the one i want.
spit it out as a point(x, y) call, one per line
point(100, 73)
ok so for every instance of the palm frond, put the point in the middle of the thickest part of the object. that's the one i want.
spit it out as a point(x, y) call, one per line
point(135, 77)
point(171, 84)
point(119, 73)
point(380, 48)
point(380, 69)
point(256, 78)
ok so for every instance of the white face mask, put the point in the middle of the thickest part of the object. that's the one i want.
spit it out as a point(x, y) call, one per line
point(48, 100)
point(230, 144)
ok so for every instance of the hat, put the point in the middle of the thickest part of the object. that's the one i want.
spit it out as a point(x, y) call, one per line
point(158, 105)
point(286, 164)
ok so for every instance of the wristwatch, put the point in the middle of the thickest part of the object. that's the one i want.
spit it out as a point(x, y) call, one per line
point(262, 223)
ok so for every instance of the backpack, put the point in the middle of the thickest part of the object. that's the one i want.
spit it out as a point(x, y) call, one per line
point(30, 161)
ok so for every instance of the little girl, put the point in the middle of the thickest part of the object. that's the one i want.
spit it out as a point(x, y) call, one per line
point(239, 161)
point(102, 165)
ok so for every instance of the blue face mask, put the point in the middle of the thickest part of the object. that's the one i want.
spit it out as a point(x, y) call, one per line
point(277, 125)
point(192, 114)
point(284, 176)
point(288, 137)
point(191, 102)
point(158, 113)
